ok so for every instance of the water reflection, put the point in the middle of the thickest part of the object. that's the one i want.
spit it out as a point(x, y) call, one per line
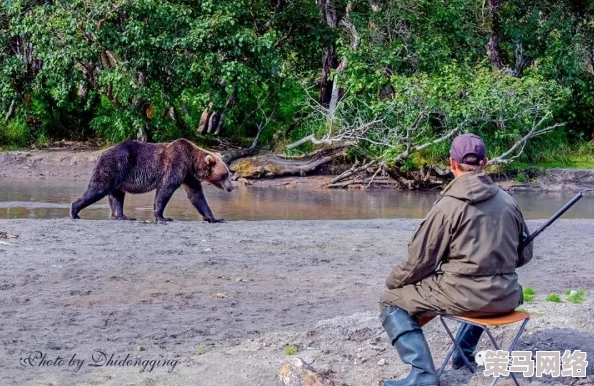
point(51, 199)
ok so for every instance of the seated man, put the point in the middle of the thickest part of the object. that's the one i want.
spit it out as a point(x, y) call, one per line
point(461, 261)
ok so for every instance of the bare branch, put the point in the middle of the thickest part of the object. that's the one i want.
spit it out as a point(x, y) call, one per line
point(312, 138)
point(255, 143)
point(404, 155)
point(350, 136)
point(380, 168)
point(353, 31)
point(352, 171)
point(534, 132)
point(282, 40)
point(11, 109)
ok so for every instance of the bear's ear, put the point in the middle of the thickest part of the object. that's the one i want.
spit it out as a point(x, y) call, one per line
point(210, 160)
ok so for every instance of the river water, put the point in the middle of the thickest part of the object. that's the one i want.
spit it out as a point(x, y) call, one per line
point(51, 199)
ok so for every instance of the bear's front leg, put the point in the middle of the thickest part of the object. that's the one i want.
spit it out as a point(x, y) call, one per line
point(196, 196)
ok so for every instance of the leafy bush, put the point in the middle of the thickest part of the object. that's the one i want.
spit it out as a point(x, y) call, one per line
point(521, 177)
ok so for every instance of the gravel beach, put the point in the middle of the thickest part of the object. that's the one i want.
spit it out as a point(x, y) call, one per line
point(222, 301)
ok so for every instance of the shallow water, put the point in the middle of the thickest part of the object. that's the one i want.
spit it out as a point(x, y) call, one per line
point(51, 199)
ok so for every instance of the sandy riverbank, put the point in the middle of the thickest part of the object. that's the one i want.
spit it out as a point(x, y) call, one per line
point(225, 299)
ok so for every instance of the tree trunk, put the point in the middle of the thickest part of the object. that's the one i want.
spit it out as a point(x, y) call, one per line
point(592, 69)
point(204, 119)
point(329, 14)
point(329, 62)
point(213, 122)
point(592, 123)
point(220, 129)
point(493, 49)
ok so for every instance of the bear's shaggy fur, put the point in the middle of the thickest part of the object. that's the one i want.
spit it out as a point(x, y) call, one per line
point(138, 167)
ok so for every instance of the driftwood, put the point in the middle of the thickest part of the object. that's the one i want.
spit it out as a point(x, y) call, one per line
point(296, 372)
point(272, 165)
point(277, 166)
point(352, 171)
point(375, 175)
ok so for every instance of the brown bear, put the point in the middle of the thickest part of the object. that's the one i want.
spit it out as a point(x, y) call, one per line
point(138, 167)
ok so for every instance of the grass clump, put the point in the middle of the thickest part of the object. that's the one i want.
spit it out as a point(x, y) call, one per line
point(575, 297)
point(291, 349)
point(553, 298)
point(201, 351)
point(529, 294)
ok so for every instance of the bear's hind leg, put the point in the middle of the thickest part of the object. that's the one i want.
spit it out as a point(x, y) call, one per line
point(93, 194)
point(116, 202)
point(162, 197)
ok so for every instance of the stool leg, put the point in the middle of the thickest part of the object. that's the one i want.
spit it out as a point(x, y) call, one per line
point(496, 348)
point(511, 348)
point(518, 336)
point(454, 347)
point(514, 343)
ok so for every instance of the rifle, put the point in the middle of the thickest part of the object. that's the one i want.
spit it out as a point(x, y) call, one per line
point(544, 226)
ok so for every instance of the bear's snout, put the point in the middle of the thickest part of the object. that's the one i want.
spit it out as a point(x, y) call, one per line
point(230, 188)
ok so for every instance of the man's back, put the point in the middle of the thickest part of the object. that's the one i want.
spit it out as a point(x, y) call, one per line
point(485, 232)
point(462, 260)
point(486, 226)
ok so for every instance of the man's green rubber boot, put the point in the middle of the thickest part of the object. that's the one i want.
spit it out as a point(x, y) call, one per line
point(407, 337)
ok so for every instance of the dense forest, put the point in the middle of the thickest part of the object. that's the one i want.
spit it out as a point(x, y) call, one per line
point(389, 79)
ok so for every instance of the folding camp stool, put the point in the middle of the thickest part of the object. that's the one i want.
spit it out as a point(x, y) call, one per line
point(485, 323)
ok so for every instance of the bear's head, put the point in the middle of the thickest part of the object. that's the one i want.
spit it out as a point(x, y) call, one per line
point(218, 174)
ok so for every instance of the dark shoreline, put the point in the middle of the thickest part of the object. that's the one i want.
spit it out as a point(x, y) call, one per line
point(76, 165)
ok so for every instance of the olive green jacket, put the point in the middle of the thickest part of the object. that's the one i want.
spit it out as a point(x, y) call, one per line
point(464, 255)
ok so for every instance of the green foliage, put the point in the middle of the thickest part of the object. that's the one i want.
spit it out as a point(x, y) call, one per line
point(529, 294)
point(521, 177)
point(291, 349)
point(15, 132)
point(553, 298)
point(76, 69)
point(575, 297)
point(99, 67)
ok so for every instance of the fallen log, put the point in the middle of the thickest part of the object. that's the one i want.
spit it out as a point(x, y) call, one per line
point(271, 165)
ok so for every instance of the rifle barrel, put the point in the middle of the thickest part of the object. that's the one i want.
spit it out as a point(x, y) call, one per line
point(557, 214)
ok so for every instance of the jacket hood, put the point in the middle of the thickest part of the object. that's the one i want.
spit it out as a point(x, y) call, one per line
point(472, 187)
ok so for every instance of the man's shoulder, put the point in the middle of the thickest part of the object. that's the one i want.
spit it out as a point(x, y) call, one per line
point(446, 204)
point(507, 199)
